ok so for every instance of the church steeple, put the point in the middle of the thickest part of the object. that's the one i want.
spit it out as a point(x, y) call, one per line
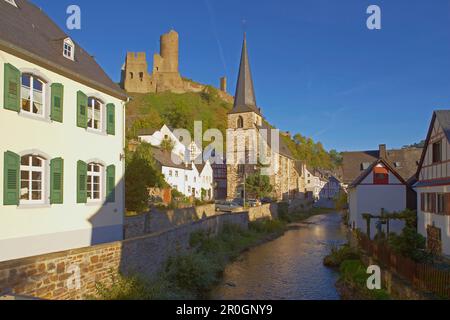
point(245, 100)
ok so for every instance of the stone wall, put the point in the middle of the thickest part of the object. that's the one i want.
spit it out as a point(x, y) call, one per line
point(158, 220)
point(74, 274)
point(266, 211)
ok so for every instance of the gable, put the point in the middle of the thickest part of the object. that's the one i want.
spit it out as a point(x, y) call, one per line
point(438, 133)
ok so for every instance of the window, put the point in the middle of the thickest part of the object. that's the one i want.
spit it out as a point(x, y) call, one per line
point(32, 172)
point(131, 75)
point(94, 182)
point(240, 122)
point(186, 178)
point(437, 152)
point(32, 95)
point(69, 49)
point(380, 175)
point(95, 113)
point(170, 173)
point(141, 76)
point(365, 166)
point(176, 173)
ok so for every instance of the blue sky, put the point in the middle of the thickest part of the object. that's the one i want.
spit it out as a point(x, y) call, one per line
point(317, 69)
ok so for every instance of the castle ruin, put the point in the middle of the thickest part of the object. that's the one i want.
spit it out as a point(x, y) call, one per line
point(165, 75)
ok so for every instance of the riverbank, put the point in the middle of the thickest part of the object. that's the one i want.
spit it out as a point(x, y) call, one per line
point(193, 275)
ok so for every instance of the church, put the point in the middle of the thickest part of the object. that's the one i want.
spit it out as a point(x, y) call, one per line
point(251, 137)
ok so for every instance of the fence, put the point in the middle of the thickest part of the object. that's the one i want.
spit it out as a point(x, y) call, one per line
point(424, 277)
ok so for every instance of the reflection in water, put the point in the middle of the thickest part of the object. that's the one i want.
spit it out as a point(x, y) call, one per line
point(290, 267)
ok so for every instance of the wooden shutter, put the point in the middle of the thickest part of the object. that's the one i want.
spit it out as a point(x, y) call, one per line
point(57, 101)
point(12, 88)
point(447, 204)
point(56, 181)
point(422, 202)
point(433, 203)
point(11, 181)
point(82, 102)
point(81, 182)
point(111, 184)
point(111, 119)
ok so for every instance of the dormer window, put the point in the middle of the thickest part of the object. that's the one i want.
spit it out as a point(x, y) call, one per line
point(69, 49)
point(12, 2)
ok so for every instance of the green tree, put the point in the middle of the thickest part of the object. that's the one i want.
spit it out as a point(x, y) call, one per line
point(258, 185)
point(167, 145)
point(140, 175)
point(410, 244)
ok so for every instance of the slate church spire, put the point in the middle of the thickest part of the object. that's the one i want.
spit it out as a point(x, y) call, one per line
point(245, 100)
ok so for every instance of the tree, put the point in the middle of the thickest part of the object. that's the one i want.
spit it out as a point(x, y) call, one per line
point(258, 185)
point(167, 145)
point(140, 175)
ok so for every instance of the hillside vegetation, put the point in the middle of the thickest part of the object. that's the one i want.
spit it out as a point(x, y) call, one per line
point(151, 111)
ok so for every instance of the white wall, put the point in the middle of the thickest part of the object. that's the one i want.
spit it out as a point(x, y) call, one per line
point(424, 219)
point(371, 199)
point(27, 231)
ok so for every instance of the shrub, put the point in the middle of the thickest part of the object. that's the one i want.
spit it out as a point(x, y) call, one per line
point(340, 254)
point(410, 244)
point(283, 210)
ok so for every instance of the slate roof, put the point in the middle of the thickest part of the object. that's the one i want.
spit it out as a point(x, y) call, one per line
point(28, 33)
point(283, 148)
point(244, 99)
point(164, 158)
point(408, 159)
point(443, 116)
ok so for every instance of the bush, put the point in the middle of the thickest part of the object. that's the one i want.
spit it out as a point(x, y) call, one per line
point(410, 244)
point(283, 210)
point(339, 255)
point(193, 272)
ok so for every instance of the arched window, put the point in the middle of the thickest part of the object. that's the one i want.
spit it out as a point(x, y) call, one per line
point(240, 122)
point(141, 76)
point(95, 114)
point(94, 182)
point(32, 179)
point(69, 49)
point(32, 94)
point(131, 75)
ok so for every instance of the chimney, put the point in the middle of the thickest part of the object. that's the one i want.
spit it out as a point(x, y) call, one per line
point(383, 152)
point(223, 84)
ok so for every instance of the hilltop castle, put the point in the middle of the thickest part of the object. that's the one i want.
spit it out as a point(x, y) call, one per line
point(165, 75)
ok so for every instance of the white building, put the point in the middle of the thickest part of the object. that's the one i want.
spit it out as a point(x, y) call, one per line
point(155, 137)
point(433, 186)
point(189, 179)
point(314, 183)
point(380, 187)
point(62, 128)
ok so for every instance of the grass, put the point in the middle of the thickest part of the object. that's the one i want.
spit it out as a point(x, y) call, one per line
point(193, 275)
point(340, 254)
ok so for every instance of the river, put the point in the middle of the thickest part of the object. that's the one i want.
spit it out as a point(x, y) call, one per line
point(288, 268)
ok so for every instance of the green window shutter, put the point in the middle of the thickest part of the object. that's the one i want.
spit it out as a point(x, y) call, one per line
point(111, 119)
point(81, 182)
point(11, 173)
point(111, 184)
point(56, 181)
point(12, 88)
point(82, 102)
point(57, 101)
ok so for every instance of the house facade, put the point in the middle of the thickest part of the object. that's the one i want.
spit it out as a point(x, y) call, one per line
point(433, 185)
point(62, 123)
point(188, 179)
point(383, 185)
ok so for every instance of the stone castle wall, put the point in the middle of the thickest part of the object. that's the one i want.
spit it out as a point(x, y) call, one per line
point(165, 74)
point(74, 274)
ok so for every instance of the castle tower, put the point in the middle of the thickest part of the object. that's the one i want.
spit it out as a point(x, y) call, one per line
point(135, 74)
point(245, 118)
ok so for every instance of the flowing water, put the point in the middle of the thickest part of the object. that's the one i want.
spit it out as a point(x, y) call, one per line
point(291, 267)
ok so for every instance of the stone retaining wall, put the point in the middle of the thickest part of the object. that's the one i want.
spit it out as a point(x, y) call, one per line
point(158, 220)
point(74, 274)
point(266, 211)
